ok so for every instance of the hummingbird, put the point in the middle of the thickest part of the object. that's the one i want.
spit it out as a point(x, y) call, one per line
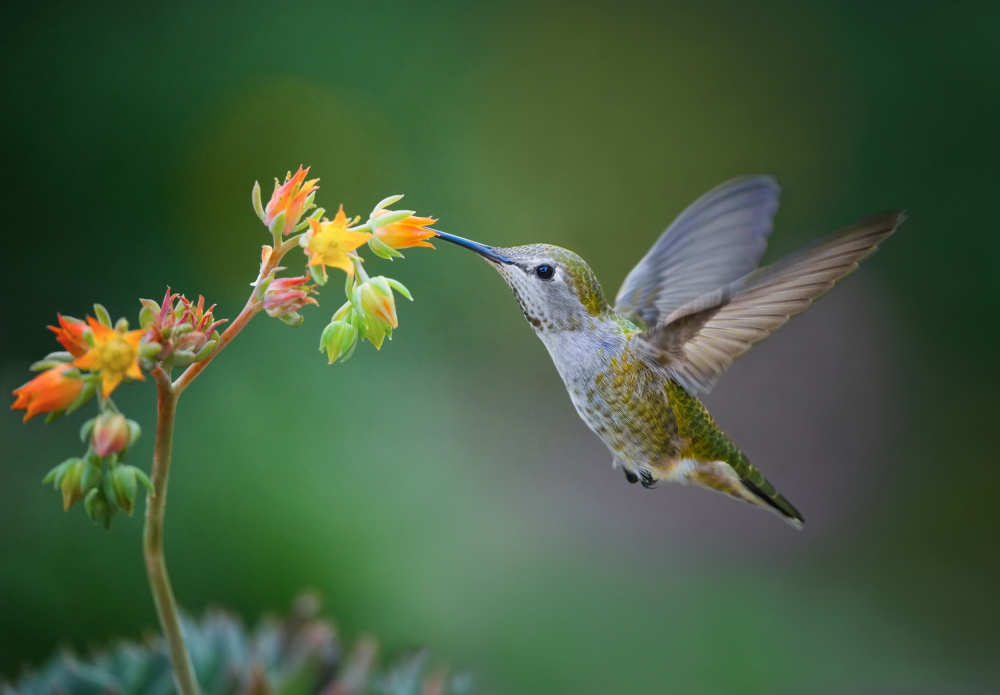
point(697, 300)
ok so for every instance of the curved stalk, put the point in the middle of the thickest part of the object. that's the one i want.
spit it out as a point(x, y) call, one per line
point(251, 309)
point(156, 566)
point(167, 393)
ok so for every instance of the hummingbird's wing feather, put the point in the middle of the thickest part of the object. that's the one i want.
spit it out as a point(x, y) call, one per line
point(698, 341)
point(717, 239)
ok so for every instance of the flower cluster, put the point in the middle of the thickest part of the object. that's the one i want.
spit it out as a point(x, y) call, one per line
point(184, 332)
point(98, 358)
point(370, 311)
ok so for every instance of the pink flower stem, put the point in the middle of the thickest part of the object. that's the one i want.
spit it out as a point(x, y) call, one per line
point(252, 308)
point(156, 565)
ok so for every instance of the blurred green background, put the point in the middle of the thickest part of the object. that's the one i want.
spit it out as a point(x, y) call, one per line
point(442, 491)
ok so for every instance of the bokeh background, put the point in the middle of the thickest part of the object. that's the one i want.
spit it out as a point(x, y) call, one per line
point(443, 492)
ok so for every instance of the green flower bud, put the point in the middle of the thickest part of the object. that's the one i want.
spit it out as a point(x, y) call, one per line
point(338, 340)
point(98, 508)
point(120, 486)
point(91, 475)
point(72, 490)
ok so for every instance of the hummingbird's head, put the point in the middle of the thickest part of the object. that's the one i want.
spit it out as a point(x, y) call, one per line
point(556, 289)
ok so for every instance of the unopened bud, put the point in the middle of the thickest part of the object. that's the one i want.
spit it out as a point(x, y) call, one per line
point(286, 296)
point(71, 483)
point(119, 487)
point(377, 300)
point(98, 508)
point(111, 434)
point(338, 340)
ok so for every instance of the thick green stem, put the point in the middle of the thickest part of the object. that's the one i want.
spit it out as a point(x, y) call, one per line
point(156, 566)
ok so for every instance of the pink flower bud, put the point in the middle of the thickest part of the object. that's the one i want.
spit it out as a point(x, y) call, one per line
point(111, 434)
point(287, 295)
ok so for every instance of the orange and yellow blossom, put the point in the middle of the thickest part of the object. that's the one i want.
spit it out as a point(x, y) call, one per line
point(70, 335)
point(405, 233)
point(290, 198)
point(331, 243)
point(49, 392)
point(115, 354)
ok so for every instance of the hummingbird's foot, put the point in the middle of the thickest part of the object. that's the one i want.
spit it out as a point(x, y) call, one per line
point(630, 476)
point(647, 479)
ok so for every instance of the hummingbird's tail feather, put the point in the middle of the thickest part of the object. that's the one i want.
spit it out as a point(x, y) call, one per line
point(739, 479)
point(776, 501)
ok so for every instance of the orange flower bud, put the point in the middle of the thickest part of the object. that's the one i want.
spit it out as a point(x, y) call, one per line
point(289, 202)
point(49, 392)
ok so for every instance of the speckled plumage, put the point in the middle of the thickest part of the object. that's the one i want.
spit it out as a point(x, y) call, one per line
point(693, 304)
point(654, 428)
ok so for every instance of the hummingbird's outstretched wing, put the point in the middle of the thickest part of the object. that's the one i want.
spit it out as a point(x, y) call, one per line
point(717, 239)
point(698, 341)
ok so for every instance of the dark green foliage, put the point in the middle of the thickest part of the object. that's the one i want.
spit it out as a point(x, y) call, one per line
point(295, 656)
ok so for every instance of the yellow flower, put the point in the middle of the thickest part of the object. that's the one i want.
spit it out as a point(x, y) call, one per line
point(115, 354)
point(331, 243)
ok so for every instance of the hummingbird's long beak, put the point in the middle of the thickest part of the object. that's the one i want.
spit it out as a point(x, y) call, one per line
point(487, 252)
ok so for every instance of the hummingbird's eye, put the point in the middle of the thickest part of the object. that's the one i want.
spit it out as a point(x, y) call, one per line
point(545, 272)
